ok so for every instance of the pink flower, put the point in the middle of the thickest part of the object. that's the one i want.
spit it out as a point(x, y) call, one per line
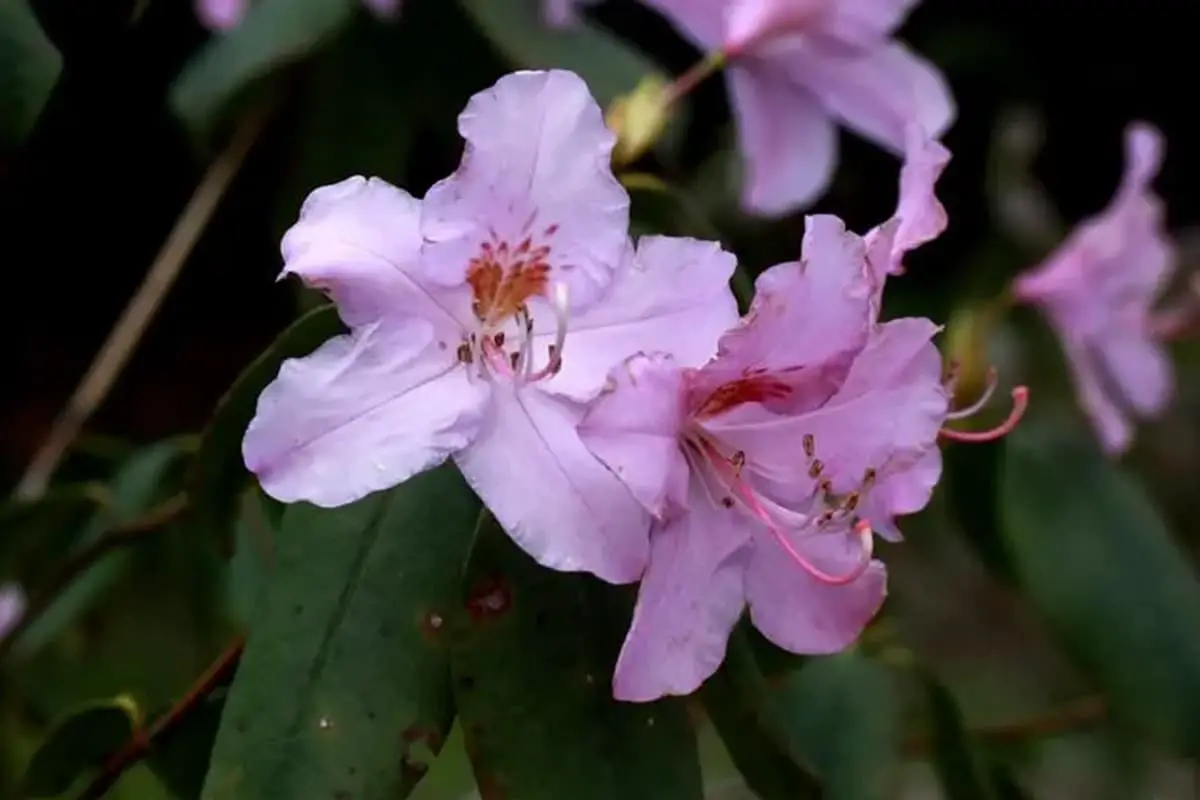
point(12, 606)
point(223, 15)
point(482, 319)
point(1098, 290)
point(767, 469)
point(795, 67)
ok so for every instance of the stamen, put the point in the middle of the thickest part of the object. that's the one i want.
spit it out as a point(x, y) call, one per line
point(993, 380)
point(1020, 397)
point(729, 471)
point(560, 302)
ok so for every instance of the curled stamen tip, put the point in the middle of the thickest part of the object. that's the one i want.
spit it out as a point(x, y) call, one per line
point(1020, 396)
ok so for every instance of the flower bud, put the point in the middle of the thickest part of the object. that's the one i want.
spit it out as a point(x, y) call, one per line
point(639, 118)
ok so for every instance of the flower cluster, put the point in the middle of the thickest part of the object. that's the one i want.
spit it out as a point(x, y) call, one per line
point(601, 395)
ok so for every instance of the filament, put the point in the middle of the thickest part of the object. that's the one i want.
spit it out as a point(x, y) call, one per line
point(992, 381)
point(1020, 397)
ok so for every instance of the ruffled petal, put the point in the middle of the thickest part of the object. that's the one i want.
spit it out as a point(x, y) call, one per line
point(672, 298)
point(535, 195)
point(555, 499)
point(689, 600)
point(362, 413)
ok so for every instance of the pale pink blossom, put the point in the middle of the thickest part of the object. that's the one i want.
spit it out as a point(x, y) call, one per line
point(1098, 290)
point(482, 319)
point(12, 607)
point(796, 68)
point(767, 469)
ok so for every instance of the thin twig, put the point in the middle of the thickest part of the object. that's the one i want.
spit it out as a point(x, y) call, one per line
point(143, 741)
point(1073, 716)
point(140, 311)
point(120, 535)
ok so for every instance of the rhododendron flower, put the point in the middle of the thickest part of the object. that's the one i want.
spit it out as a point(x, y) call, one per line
point(767, 469)
point(1098, 290)
point(481, 320)
point(223, 15)
point(796, 66)
point(12, 606)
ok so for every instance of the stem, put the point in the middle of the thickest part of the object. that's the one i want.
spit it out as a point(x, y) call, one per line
point(1065, 719)
point(694, 76)
point(142, 742)
point(118, 536)
point(125, 335)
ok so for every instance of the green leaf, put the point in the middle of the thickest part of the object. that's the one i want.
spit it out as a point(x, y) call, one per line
point(843, 713)
point(78, 745)
point(34, 534)
point(143, 481)
point(736, 698)
point(273, 33)
point(254, 540)
point(1094, 556)
point(957, 764)
point(610, 66)
point(533, 654)
point(29, 67)
point(181, 760)
point(218, 476)
point(344, 688)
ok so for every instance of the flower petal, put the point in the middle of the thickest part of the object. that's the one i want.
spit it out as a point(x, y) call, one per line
point(634, 429)
point(919, 216)
point(673, 298)
point(555, 499)
point(799, 613)
point(1140, 369)
point(804, 313)
point(220, 15)
point(863, 23)
point(788, 140)
point(12, 607)
point(1111, 424)
point(689, 600)
point(536, 168)
point(879, 93)
point(362, 413)
point(751, 23)
point(358, 240)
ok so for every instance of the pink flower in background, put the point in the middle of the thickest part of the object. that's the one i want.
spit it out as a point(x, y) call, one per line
point(223, 15)
point(767, 469)
point(796, 67)
point(12, 606)
point(1098, 290)
point(460, 307)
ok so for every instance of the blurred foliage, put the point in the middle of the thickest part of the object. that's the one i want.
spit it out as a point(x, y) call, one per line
point(1041, 638)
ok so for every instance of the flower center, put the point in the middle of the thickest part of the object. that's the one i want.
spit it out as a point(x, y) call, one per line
point(503, 278)
point(755, 387)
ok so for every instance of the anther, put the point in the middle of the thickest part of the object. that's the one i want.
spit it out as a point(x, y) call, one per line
point(464, 353)
point(498, 339)
point(810, 445)
point(1020, 397)
point(815, 469)
point(851, 501)
point(738, 460)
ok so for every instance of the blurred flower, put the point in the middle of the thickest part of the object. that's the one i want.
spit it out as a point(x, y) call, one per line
point(12, 606)
point(797, 65)
point(639, 118)
point(562, 13)
point(767, 469)
point(459, 308)
point(1098, 290)
point(222, 15)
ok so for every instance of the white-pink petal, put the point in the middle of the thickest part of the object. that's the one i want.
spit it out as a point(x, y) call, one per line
point(560, 504)
point(362, 413)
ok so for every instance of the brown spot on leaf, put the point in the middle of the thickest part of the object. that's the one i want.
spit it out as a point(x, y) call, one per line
point(490, 597)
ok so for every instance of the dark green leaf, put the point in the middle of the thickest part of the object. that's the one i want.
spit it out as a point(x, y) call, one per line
point(254, 540)
point(218, 476)
point(954, 758)
point(29, 67)
point(34, 534)
point(273, 33)
point(1098, 562)
point(533, 654)
point(842, 713)
point(180, 760)
point(145, 479)
point(610, 66)
point(79, 744)
point(736, 698)
point(344, 689)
